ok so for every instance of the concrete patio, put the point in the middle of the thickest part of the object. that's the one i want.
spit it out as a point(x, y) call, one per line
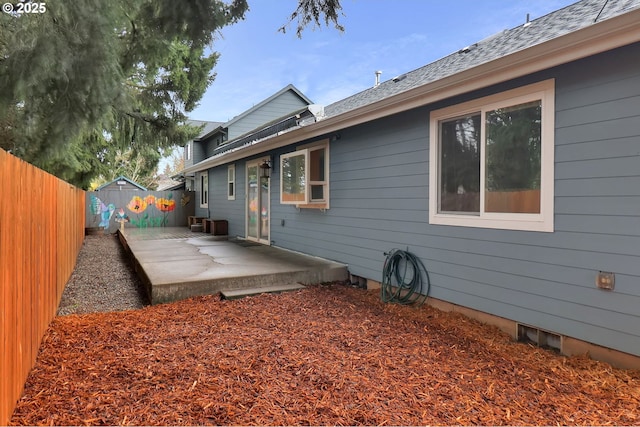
point(176, 263)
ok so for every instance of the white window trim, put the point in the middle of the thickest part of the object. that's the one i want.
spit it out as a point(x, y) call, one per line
point(231, 179)
point(187, 149)
point(544, 91)
point(310, 203)
point(296, 153)
point(204, 189)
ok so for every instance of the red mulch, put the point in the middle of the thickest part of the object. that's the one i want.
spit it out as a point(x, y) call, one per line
point(325, 355)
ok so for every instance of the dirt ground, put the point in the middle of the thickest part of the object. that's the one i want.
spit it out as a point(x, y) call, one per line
point(326, 355)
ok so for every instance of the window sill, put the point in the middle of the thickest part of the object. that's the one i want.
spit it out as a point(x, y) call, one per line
point(323, 206)
point(503, 222)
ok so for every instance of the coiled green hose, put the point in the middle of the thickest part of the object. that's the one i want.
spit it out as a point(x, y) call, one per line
point(402, 279)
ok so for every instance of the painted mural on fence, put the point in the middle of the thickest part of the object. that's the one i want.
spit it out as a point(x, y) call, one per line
point(111, 210)
point(105, 211)
point(146, 215)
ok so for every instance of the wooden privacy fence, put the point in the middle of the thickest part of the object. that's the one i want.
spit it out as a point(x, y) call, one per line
point(41, 232)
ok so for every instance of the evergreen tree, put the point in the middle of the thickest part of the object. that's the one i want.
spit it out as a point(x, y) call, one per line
point(88, 79)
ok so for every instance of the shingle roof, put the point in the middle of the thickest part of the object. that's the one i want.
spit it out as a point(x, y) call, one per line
point(566, 20)
point(208, 126)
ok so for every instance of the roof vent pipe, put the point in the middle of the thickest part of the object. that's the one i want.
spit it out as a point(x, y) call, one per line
point(378, 73)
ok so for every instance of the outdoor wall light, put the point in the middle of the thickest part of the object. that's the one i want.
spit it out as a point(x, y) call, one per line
point(265, 169)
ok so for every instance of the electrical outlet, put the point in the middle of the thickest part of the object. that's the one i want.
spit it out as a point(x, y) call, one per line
point(605, 280)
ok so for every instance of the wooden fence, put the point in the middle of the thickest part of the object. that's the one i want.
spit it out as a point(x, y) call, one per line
point(42, 223)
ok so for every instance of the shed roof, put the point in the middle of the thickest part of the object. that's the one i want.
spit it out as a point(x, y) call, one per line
point(122, 178)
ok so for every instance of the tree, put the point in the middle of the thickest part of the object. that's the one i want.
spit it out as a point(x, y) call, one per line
point(313, 12)
point(89, 79)
point(175, 162)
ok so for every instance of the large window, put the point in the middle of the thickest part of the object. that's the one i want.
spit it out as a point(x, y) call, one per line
point(305, 177)
point(491, 161)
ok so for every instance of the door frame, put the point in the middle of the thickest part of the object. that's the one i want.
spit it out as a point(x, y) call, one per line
point(256, 163)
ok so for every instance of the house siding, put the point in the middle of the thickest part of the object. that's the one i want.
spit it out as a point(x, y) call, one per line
point(220, 206)
point(199, 151)
point(379, 201)
point(276, 108)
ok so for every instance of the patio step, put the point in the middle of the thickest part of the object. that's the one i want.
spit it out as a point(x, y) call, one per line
point(241, 293)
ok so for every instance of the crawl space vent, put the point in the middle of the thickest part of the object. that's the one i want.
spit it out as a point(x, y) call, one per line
point(539, 337)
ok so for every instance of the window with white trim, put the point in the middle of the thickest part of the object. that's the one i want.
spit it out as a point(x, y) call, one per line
point(304, 177)
point(231, 182)
point(187, 151)
point(492, 161)
point(204, 189)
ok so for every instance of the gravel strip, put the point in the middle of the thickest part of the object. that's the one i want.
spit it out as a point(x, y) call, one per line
point(103, 279)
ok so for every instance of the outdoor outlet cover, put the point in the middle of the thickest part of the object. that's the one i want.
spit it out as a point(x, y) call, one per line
point(605, 280)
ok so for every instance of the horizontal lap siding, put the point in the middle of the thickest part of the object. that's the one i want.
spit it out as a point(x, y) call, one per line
point(379, 201)
point(598, 192)
point(277, 108)
point(220, 206)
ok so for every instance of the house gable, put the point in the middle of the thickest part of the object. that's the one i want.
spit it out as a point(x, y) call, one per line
point(278, 105)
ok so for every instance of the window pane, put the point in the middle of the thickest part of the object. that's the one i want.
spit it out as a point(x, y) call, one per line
point(460, 165)
point(293, 178)
point(513, 159)
point(317, 192)
point(316, 165)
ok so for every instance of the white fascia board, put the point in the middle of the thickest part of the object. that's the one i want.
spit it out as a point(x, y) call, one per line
point(597, 38)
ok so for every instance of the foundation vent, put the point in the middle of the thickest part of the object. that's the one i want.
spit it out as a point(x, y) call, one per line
point(539, 337)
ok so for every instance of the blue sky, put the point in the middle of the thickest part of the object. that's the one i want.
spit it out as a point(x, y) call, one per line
point(393, 36)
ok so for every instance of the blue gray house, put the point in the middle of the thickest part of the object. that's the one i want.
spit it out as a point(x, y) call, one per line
point(189, 158)
point(274, 114)
point(511, 168)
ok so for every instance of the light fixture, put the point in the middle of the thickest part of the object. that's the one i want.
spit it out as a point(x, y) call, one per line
point(265, 169)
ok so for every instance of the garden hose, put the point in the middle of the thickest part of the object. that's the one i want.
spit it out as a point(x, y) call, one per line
point(402, 279)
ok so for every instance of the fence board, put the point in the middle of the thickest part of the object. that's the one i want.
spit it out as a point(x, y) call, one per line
point(41, 232)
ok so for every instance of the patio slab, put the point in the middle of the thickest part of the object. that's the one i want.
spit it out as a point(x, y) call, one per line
point(176, 263)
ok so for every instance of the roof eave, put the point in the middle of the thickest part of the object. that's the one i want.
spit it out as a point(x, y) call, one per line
point(597, 38)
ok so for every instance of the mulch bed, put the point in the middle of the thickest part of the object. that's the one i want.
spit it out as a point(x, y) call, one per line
point(325, 355)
